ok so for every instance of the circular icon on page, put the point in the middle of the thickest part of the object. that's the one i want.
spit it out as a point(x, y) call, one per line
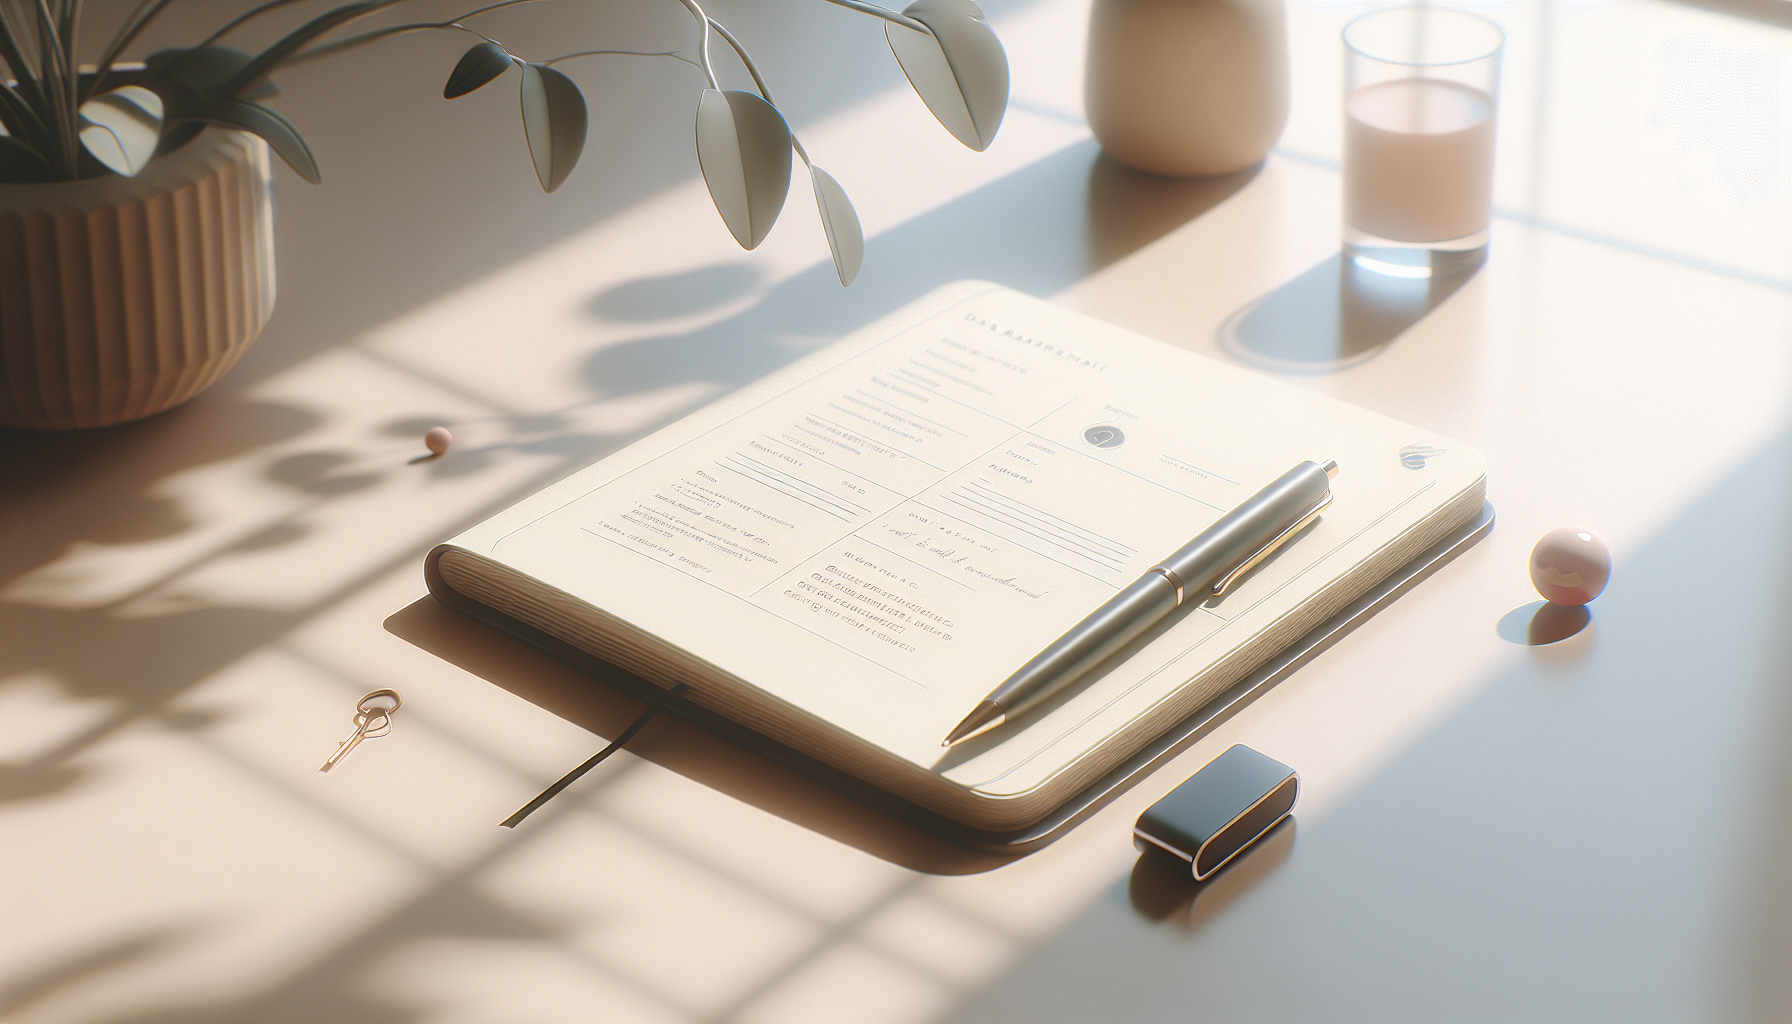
point(1104, 436)
point(1414, 456)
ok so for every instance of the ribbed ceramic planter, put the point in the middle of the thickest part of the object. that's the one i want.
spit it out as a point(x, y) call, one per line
point(123, 297)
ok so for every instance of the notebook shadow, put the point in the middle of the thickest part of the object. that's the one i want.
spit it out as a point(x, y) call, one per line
point(1331, 317)
point(675, 745)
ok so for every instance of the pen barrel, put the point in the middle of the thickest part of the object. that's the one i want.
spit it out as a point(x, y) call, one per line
point(1239, 533)
point(1105, 630)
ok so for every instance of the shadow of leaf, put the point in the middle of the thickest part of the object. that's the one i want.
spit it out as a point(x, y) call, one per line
point(309, 472)
point(270, 537)
point(34, 987)
point(20, 782)
point(99, 486)
point(665, 296)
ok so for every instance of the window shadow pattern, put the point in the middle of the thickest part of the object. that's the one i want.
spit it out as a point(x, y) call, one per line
point(1056, 220)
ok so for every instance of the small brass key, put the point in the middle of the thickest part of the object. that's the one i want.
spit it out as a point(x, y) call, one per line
point(373, 719)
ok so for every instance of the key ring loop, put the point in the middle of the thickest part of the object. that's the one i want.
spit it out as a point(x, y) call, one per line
point(380, 695)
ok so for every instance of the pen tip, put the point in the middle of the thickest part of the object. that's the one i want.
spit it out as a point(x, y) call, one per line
point(1331, 468)
point(983, 717)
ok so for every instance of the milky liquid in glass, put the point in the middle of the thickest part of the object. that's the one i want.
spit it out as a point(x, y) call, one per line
point(1418, 163)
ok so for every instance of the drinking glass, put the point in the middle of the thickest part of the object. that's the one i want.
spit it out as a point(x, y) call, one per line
point(1421, 87)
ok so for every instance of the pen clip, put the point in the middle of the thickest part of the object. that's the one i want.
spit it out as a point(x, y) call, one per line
point(1270, 547)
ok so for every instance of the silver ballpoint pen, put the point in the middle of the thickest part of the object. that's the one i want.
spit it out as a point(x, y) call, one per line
point(1214, 560)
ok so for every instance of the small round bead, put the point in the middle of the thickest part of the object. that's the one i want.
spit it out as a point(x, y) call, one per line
point(437, 440)
point(1570, 566)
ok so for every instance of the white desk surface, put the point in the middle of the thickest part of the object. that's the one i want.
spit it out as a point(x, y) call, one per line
point(1593, 831)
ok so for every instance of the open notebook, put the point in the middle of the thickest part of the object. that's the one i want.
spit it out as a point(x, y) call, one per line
point(849, 554)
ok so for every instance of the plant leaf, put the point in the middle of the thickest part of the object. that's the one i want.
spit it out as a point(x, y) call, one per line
point(121, 128)
point(256, 119)
point(960, 71)
point(743, 146)
point(201, 69)
point(846, 240)
point(20, 120)
point(20, 164)
point(553, 122)
point(479, 65)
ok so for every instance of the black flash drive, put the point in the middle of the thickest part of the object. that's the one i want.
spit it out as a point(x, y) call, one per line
point(1220, 810)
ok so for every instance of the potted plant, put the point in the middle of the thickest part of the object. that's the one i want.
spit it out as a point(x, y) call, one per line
point(136, 247)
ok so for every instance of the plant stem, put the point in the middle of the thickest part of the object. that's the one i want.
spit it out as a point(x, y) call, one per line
point(23, 120)
point(746, 61)
point(674, 54)
point(29, 85)
point(367, 37)
point(68, 24)
point(245, 16)
point(271, 4)
point(883, 12)
point(257, 70)
point(764, 91)
point(61, 81)
point(494, 7)
point(140, 18)
point(709, 70)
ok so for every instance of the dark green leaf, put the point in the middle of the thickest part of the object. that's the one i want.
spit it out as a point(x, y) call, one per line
point(960, 70)
point(175, 136)
point(275, 129)
point(20, 69)
point(20, 163)
point(20, 120)
point(554, 123)
point(200, 69)
point(477, 66)
point(743, 146)
point(846, 240)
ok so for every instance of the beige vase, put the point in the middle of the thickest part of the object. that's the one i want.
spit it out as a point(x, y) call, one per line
point(123, 297)
point(1189, 88)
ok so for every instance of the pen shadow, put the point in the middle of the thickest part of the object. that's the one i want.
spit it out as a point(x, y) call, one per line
point(675, 745)
point(1332, 317)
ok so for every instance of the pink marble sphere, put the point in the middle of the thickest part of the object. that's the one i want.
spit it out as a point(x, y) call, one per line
point(437, 440)
point(1570, 566)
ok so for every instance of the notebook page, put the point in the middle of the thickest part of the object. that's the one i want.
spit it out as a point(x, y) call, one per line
point(883, 540)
